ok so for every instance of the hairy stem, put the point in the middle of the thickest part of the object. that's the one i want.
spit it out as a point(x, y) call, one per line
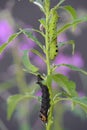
point(49, 123)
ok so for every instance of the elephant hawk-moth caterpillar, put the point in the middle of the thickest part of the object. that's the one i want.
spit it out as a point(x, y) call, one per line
point(53, 48)
point(45, 103)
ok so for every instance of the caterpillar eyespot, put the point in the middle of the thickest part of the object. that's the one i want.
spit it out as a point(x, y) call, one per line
point(45, 103)
point(43, 118)
point(53, 48)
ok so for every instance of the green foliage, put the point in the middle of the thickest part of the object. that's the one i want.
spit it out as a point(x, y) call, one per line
point(11, 38)
point(14, 100)
point(38, 54)
point(30, 68)
point(72, 12)
point(50, 50)
point(59, 3)
point(69, 25)
point(43, 22)
point(81, 101)
point(49, 80)
point(68, 86)
point(39, 3)
point(71, 42)
point(29, 34)
point(74, 68)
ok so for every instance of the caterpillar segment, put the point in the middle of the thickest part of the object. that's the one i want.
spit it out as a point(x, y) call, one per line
point(53, 48)
point(45, 103)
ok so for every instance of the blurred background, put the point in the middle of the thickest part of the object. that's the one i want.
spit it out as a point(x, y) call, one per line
point(13, 80)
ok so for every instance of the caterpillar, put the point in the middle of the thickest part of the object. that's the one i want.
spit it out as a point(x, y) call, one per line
point(45, 103)
point(53, 48)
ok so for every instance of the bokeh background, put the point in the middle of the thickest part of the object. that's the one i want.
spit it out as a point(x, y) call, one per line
point(13, 80)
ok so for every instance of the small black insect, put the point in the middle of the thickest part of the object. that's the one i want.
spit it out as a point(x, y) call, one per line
point(45, 103)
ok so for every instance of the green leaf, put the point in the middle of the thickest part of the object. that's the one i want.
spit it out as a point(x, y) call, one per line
point(29, 34)
point(75, 68)
point(39, 3)
point(43, 22)
point(59, 3)
point(3, 47)
point(69, 25)
point(14, 100)
point(11, 38)
point(27, 63)
point(81, 101)
point(61, 44)
point(38, 53)
point(57, 97)
point(49, 80)
point(40, 32)
point(72, 12)
point(65, 83)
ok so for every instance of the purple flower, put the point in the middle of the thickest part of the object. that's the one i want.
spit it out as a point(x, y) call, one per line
point(5, 31)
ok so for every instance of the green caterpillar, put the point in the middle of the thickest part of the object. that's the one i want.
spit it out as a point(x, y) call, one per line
point(53, 48)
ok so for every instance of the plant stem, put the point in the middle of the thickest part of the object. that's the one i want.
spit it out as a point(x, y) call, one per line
point(49, 123)
point(47, 46)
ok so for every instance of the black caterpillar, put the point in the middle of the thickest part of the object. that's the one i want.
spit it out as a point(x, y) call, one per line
point(45, 103)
